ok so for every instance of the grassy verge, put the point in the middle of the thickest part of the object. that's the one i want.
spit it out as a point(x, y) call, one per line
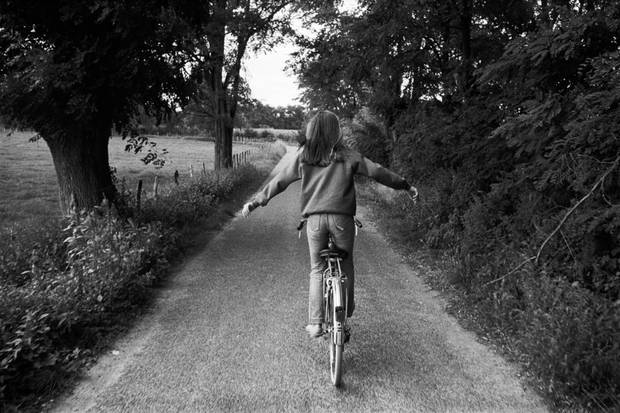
point(68, 288)
point(547, 328)
point(28, 183)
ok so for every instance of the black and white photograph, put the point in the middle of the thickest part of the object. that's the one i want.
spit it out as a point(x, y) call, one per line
point(310, 206)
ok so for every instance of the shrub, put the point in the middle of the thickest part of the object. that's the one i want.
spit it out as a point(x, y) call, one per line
point(300, 137)
point(559, 314)
point(366, 135)
point(23, 247)
point(109, 262)
point(193, 200)
point(267, 135)
point(58, 285)
point(250, 133)
point(534, 165)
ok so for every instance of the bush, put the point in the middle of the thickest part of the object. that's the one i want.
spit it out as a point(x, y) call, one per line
point(495, 205)
point(188, 203)
point(60, 287)
point(522, 167)
point(299, 138)
point(267, 135)
point(366, 135)
point(250, 133)
point(23, 247)
point(109, 262)
point(567, 335)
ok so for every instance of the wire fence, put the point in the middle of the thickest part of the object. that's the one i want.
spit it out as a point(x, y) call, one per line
point(238, 160)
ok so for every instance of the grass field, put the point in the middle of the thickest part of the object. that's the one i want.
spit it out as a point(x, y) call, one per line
point(28, 186)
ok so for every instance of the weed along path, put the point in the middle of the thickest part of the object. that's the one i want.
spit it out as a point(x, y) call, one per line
point(227, 335)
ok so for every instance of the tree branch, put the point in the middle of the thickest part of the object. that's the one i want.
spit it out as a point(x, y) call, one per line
point(536, 257)
point(574, 207)
point(510, 272)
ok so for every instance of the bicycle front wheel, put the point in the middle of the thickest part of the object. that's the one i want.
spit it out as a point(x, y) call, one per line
point(335, 361)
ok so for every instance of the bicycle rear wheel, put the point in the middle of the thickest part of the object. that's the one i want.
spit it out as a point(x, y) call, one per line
point(336, 344)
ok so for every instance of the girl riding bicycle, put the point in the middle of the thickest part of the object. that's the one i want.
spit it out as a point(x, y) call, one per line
point(326, 168)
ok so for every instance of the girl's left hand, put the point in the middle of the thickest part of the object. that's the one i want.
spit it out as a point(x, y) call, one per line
point(246, 210)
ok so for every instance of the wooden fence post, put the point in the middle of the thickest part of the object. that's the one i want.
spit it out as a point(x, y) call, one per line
point(176, 177)
point(204, 169)
point(155, 186)
point(139, 194)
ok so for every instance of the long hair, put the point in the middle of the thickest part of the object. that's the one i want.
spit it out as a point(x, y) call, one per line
point(323, 142)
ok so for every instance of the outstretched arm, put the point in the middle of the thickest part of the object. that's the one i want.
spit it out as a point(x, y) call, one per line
point(384, 176)
point(380, 174)
point(288, 175)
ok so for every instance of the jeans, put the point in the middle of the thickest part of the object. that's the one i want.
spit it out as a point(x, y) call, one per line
point(342, 229)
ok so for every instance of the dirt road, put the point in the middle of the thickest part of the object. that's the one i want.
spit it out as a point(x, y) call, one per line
point(227, 335)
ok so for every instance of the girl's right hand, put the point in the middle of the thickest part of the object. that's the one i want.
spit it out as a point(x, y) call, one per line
point(413, 192)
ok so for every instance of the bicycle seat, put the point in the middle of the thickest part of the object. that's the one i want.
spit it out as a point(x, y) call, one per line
point(333, 253)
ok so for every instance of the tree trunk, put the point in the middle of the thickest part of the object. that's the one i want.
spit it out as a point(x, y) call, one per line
point(223, 135)
point(223, 121)
point(83, 170)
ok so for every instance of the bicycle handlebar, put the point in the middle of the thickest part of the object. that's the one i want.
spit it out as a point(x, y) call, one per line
point(301, 224)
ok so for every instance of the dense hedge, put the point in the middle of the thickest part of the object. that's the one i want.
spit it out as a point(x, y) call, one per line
point(63, 284)
point(525, 193)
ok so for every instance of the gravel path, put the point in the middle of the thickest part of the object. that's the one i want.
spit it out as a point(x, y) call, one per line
point(227, 335)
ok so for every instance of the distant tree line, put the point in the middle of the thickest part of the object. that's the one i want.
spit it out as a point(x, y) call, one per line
point(250, 114)
point(509, 112)
point(254, 114)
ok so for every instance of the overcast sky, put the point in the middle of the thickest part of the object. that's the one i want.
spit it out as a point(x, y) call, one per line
point(265, 73)
point(269, 82)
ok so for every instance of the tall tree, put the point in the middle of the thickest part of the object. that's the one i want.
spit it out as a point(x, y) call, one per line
point(233, 27)
point(391, 53)
point(373, 57)
point(73, 70)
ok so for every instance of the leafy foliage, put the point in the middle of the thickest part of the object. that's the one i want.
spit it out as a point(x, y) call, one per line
point(154, 155)
point(512, 123)
point(62, 288)
point(235, 28)
point(72, 71)
point(254, 114)
point(108, 263)
point(366, 135)
point(69, 66)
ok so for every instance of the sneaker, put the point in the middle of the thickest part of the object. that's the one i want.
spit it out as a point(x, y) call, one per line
point(314, 330)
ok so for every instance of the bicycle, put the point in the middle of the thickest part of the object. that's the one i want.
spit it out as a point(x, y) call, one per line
point(335, 300)
point(335, 304)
